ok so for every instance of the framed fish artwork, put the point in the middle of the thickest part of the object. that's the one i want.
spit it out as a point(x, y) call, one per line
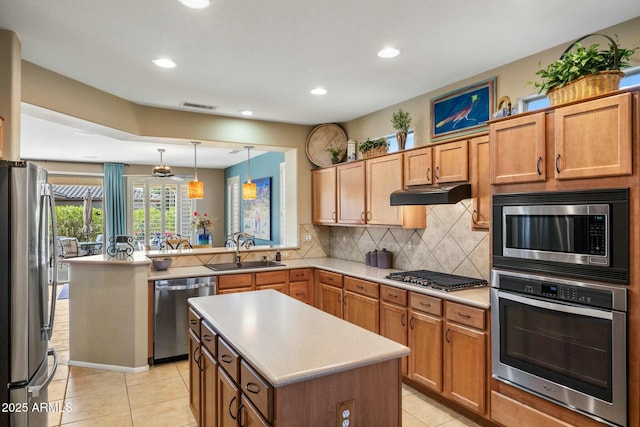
point(463, 111)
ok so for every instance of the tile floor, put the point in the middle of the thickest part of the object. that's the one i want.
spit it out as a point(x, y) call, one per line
point(160, 396)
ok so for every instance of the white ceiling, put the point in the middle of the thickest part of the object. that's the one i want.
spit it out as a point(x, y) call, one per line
point(267, 56)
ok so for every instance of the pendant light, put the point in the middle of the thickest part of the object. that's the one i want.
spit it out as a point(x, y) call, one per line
point(249, 189)
point(196, 188)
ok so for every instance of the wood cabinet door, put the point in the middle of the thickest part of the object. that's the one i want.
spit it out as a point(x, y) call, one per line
point(394, 325)
point(480, 185)
point(351, 193)
point(323, 196)
point(195, 354)
point(465, 366)
point(330, 299)
point(517, 149)
point(425, 342)
point(249, 416)
point(418, 167)
point(383, 176)
point(362, 311)
point(228, 400)
point(209, 380)
point(299, 291)
point(593, 139)
point(451, 162)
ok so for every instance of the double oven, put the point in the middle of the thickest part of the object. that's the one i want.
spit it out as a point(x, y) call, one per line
point(560, 271)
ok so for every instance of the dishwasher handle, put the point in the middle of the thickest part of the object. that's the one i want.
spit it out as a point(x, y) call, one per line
point(184, 284)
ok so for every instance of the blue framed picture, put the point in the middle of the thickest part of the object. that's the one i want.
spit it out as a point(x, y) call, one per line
point(257, 212)
point(463, 111)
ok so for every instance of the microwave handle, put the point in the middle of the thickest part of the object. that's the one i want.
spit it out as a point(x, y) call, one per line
point(567, 308)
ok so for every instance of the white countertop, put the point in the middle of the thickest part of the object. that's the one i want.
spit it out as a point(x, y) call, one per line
point(476, 297)
point(136, 258)
point(288, 341)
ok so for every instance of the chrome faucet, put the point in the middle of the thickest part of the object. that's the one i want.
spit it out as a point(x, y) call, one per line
point(246, 239)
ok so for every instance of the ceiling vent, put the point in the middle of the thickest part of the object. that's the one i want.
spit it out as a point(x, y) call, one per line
point(199, 106)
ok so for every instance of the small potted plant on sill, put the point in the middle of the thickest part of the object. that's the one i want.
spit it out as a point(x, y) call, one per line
point(584, 72)
point(373, 147)
point(401, 120)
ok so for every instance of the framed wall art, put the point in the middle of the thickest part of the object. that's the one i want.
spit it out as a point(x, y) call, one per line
point(463, 111)
point(257, 212)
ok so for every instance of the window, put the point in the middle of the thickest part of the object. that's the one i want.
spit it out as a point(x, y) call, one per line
point(393, 141)
point(537, 102)
point(233, 205)
point(158, 207)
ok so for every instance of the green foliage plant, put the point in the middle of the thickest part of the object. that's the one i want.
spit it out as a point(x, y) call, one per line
point(69, 222)
point(582, 61)
point(401, 120)
point(370, 144)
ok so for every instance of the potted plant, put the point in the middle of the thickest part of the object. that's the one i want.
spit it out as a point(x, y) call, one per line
point(373, 147)
point(584, 72)
point(401, 120)
point(337, 154)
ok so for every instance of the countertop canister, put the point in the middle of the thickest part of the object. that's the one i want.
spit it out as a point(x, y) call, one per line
point(384, 258)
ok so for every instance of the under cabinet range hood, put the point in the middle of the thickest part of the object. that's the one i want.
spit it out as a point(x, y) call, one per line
point(432, 195)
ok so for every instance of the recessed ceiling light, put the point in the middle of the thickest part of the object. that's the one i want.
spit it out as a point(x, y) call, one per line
point(164, 63)
point(318, 91)
point(246, 112)
point(195, 4)
point(388, 52)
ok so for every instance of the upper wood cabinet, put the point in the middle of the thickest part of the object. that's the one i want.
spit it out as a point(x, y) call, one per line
point(351, 193)
point(323, 191)
point(480, 185)
point(383, 177)
point(593, 139)
point(451, 162)
point(517, 149)
point(418, 167)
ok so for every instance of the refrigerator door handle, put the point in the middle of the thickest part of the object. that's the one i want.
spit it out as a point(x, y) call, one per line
point(47, 194)
point(34, 390)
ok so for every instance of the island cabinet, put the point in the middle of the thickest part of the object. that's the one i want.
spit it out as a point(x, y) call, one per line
point(361, 303)
point(261, 382)
point(425, 340)
point(203, 368)
point(480, 185)
point(323, 190)
point(590, 139)
point(394, 318)
point(465, 356)
point(329, 292)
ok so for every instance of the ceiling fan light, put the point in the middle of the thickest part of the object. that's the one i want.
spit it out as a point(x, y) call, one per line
point(196, 190)
point(162, 171)
point(249, 191)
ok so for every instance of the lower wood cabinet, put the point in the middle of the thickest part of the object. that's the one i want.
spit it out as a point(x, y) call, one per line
point(361, 304)
point(248, 416)
point(228, 400)
point(329, 293)
point(425, 340)
point(209, 379)
point(394, 318)
point(276, 280)
point(194, 375)
point(229, 283)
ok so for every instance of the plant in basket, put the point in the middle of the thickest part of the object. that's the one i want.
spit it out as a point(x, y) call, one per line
point(582, 72)
point(373, 147)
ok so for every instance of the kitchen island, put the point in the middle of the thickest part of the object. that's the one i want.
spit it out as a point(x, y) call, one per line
point(312, 367)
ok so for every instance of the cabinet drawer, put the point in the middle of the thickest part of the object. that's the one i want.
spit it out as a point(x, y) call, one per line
point(299, 291)
point(393, 295)
point(271, 277)
point(234, 281)
point(426, 304)
point(333, 279)
point(508, 412)
point(465, 315)
point(362, 287)
point(299, 274)
point(194, 322)
point(259, 392)
point(228, 359)
point(208, 338)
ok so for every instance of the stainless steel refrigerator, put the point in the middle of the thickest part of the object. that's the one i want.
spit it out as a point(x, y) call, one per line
point(27, 269)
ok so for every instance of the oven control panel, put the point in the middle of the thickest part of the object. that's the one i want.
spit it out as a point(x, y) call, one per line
point(579, 293)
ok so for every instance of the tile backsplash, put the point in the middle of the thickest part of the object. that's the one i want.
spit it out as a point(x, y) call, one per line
point(447, 244)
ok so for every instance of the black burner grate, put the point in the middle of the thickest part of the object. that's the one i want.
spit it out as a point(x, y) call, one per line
point(436, 280)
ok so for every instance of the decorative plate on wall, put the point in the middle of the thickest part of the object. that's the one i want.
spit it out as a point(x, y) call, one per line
point(321, 139)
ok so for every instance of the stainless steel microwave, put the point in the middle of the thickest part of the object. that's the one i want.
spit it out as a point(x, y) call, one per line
point(583, 234)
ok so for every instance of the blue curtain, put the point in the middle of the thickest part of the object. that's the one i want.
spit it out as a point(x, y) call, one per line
point(114, 200)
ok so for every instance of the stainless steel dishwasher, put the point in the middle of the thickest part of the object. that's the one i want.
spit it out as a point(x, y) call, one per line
point(170, 324)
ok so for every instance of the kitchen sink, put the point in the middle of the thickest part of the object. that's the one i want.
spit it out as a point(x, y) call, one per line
point(225, 266)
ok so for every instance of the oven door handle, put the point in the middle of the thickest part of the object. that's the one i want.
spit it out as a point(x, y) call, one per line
point(566, 308)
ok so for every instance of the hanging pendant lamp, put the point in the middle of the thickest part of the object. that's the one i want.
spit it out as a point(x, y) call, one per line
point(249, 189)
point(196, 188)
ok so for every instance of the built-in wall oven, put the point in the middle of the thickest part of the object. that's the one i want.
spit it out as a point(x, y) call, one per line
point(560, 267)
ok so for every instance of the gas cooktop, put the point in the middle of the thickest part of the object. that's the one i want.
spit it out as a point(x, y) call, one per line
point(436, 280)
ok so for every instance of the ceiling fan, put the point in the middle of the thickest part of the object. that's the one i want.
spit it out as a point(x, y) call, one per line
point(162, 171)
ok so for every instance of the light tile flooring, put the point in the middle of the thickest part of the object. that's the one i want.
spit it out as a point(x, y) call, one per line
point(160, 396)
